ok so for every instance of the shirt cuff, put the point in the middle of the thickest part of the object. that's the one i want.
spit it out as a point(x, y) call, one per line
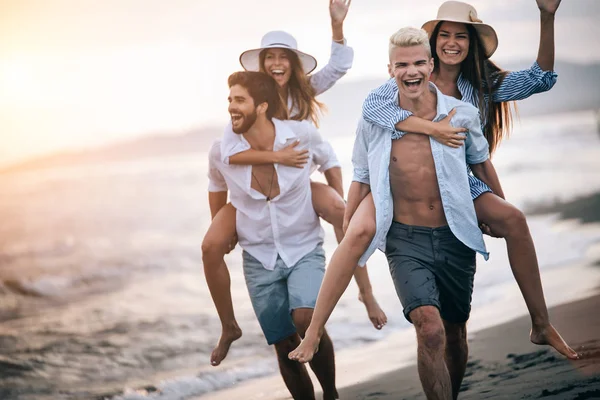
point(216, 187)
point(548, 77)
point(361, 175)
point(329, 165)
point(342, 56)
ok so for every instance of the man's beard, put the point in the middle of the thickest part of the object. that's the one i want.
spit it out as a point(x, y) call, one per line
point(249, 120)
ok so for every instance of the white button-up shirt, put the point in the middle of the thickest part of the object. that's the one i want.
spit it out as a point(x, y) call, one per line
point(287, 225)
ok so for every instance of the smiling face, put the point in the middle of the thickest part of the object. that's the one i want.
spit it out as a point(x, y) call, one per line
point(242, 110)
point(411, 67)
point(277, 64)
point(452, 43)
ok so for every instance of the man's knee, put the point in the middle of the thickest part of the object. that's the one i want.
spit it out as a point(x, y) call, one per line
point(429, 327)
point(285, 346)
point(455, 333)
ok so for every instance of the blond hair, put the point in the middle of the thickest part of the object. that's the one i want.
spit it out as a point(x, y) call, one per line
point(408, 37)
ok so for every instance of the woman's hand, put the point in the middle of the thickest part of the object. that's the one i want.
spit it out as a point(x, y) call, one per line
point(291, 157)
point(548, 6)
point(448, 135)
point(338, 9)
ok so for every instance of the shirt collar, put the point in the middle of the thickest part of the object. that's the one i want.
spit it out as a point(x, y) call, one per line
point(442, 105)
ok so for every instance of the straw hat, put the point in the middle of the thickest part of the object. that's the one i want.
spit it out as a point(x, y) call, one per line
point(457, 11)
point(277, 40)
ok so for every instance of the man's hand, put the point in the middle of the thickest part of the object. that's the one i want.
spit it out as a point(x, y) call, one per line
point(338, 9)
point(487, 230)
point(232, 244)
point(548, 6)
point(448, 135)
point(291, 157)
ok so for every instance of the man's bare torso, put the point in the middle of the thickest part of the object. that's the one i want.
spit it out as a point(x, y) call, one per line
point(413, 181)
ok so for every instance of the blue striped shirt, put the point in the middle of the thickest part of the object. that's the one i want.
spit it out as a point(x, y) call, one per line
point(381, 105)
point(371, 160)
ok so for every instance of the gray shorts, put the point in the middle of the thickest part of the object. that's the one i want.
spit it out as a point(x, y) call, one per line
point(275, 294)
point(431, 267)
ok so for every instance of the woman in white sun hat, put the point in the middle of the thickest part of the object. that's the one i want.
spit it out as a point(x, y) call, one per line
point(461, 45)
point(279, 57)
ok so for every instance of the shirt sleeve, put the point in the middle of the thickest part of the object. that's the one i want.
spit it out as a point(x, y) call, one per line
point(231, 144)
point(519, 85)
point(340, 61)
point(216, 181)
point(360, 153)
point(321, 150)
point(381, 108)
point(476, 145)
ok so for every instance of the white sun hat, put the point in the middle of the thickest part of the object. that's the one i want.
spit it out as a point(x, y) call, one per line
point(457, 11)
point(277, 40)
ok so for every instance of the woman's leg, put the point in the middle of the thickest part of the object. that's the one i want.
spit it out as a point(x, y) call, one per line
point(217, 242)
point(505, 220)
point(338, 275)
point(329, 205)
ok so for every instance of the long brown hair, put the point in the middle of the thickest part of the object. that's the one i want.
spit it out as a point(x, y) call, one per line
point(300, 90)
point(485, 77)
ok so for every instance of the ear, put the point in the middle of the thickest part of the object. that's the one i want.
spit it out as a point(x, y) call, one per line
point(431, 65)
point(262, 108)
point(390, 70)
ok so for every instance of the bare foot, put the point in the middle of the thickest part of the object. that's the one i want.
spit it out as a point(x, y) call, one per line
point(375, 313)
point(550, 336)
point(305, 350)
point(227, 337)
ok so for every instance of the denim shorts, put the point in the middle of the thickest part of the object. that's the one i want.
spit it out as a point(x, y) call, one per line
point(274, 294)
point(431, 267)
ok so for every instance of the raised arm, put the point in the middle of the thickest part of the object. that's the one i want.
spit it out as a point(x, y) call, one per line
point(519, 85)
point(545, 58)
point(287, 156)
point(340, 60)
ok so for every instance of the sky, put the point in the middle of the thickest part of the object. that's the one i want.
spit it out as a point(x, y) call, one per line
point(81, 73)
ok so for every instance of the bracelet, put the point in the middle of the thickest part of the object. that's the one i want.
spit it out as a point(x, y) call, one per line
point(340, 41)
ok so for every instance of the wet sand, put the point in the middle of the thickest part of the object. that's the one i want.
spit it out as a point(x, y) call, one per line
point(502, 366)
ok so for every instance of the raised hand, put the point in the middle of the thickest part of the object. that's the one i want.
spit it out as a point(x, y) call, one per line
point(549, 6)
point(338, 9)
point(291, 157)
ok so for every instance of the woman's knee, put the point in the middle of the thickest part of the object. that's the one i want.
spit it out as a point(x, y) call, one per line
point(361, 233)
point(512, 220)
point(213, 246)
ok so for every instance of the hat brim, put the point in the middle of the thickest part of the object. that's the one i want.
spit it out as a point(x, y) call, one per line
point(250, 59)
point(487, 34)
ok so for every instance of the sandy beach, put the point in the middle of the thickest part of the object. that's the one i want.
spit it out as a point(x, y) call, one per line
point(501, 366)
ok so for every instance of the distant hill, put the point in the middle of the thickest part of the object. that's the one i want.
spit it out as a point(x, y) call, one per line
point(577, 89)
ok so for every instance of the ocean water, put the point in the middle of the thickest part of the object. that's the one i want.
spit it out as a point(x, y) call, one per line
point(102, 294)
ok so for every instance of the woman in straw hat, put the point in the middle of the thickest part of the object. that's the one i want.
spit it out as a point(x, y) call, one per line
point(279, 57)
point(461, 45)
